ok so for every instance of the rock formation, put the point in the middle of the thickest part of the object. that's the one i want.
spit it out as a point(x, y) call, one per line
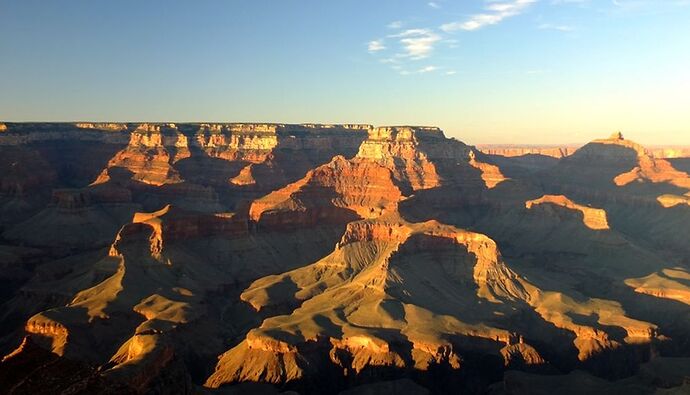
point(232, 258)
point(593, 218)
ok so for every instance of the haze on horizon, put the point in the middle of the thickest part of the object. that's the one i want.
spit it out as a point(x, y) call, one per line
point(486, 71)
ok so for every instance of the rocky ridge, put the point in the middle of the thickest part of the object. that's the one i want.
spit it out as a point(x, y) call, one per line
point(319, 257)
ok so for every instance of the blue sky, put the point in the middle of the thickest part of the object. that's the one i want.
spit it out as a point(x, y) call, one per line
point(501, 71)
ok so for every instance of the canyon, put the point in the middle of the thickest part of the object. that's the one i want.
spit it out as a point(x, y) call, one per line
point(264, 258)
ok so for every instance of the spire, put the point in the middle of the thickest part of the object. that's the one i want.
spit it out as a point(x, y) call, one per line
point(617, 136)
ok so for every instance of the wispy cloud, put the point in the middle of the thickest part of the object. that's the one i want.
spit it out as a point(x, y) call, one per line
point(375, 46)
point(494, 13)
point(434, 4)
point(427, 69)
point(416, 43)
point(395, 25)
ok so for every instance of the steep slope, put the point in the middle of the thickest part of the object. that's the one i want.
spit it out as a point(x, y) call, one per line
point(235, 162)
point(305, 257)
point(151, 291)
point(412, 297)
point(391, 165)
point(371, 304)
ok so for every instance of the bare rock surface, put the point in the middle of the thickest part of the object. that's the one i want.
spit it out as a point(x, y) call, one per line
point(250, 257)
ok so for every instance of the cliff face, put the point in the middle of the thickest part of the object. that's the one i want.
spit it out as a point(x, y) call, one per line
point(243, 143)
point(164, 257)
point(410, 297)
point(593, 218)
point(391, 165)
point(360, 306)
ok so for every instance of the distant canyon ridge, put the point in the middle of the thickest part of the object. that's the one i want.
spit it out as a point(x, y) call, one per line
point(560, 151)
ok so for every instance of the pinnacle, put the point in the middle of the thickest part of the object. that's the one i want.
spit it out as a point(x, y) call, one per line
point(617, 136)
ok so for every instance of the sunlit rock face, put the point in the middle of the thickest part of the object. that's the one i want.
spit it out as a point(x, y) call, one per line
point(245, 257)
point(239, 162)
point(593, 218)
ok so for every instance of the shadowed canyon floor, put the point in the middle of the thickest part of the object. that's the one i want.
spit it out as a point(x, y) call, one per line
point(263, 258)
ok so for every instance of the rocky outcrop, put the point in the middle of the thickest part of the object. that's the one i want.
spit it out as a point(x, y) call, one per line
point(491, 174)
point(337, 192)
point(647, 168)
point(371, 298)
point(668, 284)
point(171, 224)
point(521, 355)
point(105, 126)
point(244, 178)
point(391, 164)
point(660, 152)
point(593, 218)
point(669, 200)
point(318, 258)
point(154, 149)
point(409, 152)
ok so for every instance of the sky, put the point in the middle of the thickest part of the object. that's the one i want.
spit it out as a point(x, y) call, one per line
point(486, 71)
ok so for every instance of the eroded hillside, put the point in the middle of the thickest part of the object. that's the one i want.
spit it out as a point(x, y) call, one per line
point(164, 258)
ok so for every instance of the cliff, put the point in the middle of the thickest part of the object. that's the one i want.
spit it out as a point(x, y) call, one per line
point(320, 258)
point(593, 218)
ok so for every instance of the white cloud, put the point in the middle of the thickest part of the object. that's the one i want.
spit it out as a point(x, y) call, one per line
point(450, 72)
point(427, 69)
point(395, 25)
point(417, 43)
point(434, 4)
point(495, 12)
point(375, 46)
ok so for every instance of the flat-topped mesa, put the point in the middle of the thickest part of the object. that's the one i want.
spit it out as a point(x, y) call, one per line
point(593, 218)
point(669, 200)
point(338, 191)
point(172, 223)
point(647, 168)
point(618, 139)
point(397, 141)
point(240, 141)
point(324, 128)
point(17, 134)
point(511, 150)
point(412, 153)
point(616, 162)
point(105, 126)
point(157, 135)
point(404, 133)
point(281, 153)
point(380, 230)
